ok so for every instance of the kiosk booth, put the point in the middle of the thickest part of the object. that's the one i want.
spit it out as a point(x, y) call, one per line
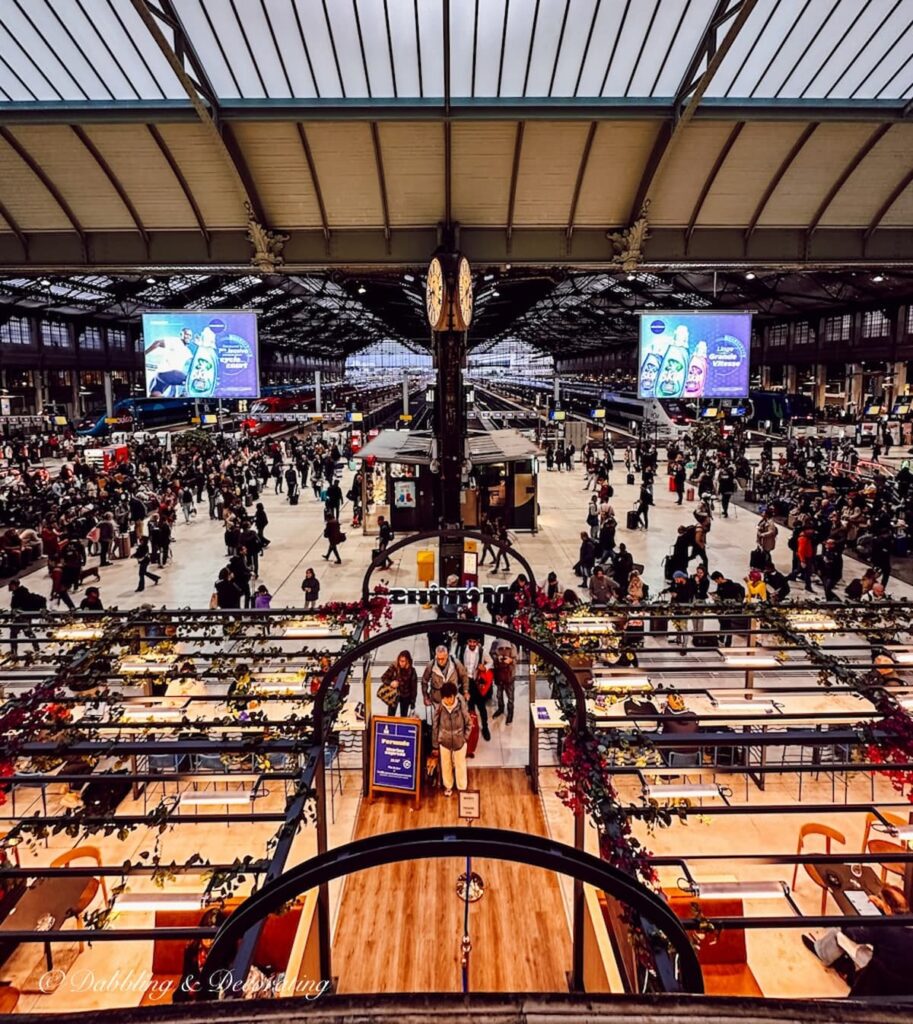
point(398, 482)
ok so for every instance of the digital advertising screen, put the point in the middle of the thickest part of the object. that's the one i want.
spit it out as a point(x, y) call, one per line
point(201, 354)
point(694, 355)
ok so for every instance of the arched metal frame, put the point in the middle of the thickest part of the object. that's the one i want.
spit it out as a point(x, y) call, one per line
point(445, 535)
point(492, 843)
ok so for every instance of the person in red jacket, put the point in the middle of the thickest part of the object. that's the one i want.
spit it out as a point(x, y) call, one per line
point(805, 552)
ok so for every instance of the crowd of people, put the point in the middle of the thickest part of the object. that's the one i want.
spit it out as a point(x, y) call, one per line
point(78, 510)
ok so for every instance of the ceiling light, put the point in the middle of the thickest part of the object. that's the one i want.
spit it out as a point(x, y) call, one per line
point(361, 289)
point(489, 277)
point(750, 276)
point(495, 293)
point(632, 277)
point(682, 791)
point(150, 280)
point(878, 278)
point(45, 282)
point(408, 277)
point(256, 280)
point(740, 890)
point(148, 901)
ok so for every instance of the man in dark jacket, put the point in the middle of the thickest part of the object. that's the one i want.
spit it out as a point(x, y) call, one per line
point(587, 558)
point(830, 568)
point(23, 600)
point(728, 592)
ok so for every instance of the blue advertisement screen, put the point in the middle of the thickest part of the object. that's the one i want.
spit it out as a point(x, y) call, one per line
point(694, 355)
point(396, 753)
point(201, 354)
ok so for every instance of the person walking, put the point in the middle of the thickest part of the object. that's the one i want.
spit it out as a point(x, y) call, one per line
point(450, 735)
point(107, 530)
point(479, 671)
point(334, 499)
point(385, 535)
point(442, 670)
point(334, 535)
point(227, 594)
point(725, 482)
point(261, 521)
point(143, 557)
point(486, 528)
point(504, 665)
point(187, 506)
point(587, 557)
point(679, 476)
point(401, 679)
point(23, 600)
point(311, 587)
point(500, 532)
point(644, 501)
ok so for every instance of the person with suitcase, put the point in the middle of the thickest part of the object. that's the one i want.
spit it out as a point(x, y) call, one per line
point(450, 736)
point(644, 501)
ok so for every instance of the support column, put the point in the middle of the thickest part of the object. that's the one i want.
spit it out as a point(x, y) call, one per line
point(318, 398)
point(450, 435)
point(820, 391)
point(556, 393)
point(791, 379)
point(854, 387)
point(900, 378)
point(74, 393)
point(405, 392)
point(38, 382)
point(765, 377)
point(109, 393)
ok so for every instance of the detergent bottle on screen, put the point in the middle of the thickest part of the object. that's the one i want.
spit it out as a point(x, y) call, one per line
point(672, 373)
point(201, 377)
point(649, 369)
point(697, 372)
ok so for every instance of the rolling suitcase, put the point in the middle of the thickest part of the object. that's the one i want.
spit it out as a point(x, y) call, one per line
point(293, 499)
point(632, 519)
point(689, 494)
point(473, 740)
point(671, 483)
point(630, 479)
point(123, 545)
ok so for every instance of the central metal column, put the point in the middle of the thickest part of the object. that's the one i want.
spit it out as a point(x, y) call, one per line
point(405, 392)
point(109, 393)
point(450, 435)
point(318, 401)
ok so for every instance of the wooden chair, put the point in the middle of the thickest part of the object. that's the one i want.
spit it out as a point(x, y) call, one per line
point(884, 846)
point(92, 884)
point(9, 997)
point(831, 835)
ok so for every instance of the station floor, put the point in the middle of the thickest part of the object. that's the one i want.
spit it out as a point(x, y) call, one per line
point(780, 962)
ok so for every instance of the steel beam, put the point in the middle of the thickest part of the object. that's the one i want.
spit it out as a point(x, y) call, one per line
point(514, 173)
point(844, 176)
point(711, 178)
point(581, 173)
point(203, 99)
point(618, 108)
point(381, 181)
point(35, 167)
point(182, 181)
point(691, 91)
point(895, 194)
point(106, 169)
point(785, 165)
point(315, 181)
point(17, 231)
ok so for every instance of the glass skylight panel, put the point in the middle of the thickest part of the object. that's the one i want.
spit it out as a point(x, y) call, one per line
point(670, 70)
point(627, 48)
point(199, 30)
point(405, 54)
point(82, 46)
point(431, 30)
point(345, 35)
point(259, 33)
point(241, 65)
point(150, 53)
point(288, 30)
point(377, 48)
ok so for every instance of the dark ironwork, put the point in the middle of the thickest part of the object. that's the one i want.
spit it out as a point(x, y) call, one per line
point(495, 844)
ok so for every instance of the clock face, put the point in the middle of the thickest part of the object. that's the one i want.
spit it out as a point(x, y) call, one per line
point(434, 292)
point(465, 292)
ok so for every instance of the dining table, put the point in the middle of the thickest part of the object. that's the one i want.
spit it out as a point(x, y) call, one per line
point(842, 884)
point(45, 906)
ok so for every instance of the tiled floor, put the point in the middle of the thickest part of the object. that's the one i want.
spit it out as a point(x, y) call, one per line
point(779, 961)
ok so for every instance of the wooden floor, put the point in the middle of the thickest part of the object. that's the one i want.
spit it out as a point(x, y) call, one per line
point(400, 926)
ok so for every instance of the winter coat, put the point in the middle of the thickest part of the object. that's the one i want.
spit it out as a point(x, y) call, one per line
point(406, 680)
point(452, 726)
point(434, 678)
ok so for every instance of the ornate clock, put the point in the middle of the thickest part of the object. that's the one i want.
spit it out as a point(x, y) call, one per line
point(435, 288)
point(463, 298)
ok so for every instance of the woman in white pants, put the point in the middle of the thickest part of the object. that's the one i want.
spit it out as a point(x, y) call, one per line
point(450, 734)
